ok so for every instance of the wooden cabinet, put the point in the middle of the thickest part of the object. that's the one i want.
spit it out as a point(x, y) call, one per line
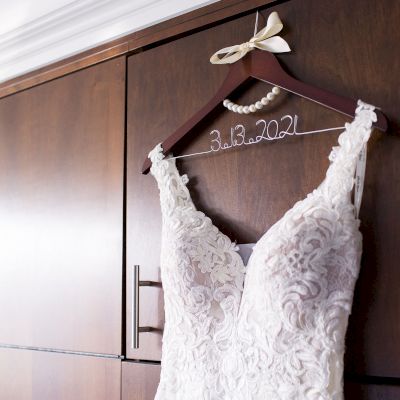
point(63, 182)
point(363, 391)
point(139, 380)
point(36, 375)
point(61, 212)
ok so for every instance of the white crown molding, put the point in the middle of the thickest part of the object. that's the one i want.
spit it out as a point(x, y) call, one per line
point(81, 25)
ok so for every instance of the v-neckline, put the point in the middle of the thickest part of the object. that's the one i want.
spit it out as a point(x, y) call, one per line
point(245, 250)
point(183, 178)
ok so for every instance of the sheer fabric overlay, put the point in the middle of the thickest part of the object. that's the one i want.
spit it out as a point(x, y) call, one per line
point(274, 329)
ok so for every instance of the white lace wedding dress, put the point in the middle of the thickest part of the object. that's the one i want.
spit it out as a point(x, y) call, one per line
point(273, 329)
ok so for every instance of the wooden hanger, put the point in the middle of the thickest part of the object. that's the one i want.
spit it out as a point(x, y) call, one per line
point(264, 66)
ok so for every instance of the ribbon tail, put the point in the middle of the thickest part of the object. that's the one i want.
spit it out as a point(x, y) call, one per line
point(274, 45)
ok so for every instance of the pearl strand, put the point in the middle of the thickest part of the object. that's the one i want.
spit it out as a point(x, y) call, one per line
point(231, 106)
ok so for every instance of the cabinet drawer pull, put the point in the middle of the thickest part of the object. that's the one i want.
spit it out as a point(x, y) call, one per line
point(136, 329)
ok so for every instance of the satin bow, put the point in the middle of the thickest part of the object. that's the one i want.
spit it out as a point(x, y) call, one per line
point(263, 40)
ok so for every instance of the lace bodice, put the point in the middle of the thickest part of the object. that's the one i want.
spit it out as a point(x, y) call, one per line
point(273, 329)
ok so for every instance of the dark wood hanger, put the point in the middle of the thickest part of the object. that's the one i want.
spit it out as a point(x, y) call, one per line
point(265, 67)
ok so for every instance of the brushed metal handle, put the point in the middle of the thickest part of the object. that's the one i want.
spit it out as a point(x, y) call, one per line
point(135, 328)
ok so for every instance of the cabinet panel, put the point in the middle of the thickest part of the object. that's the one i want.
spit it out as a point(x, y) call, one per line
point(246, 190)
point(358, 391)
point(61, 206)
point(35, 375)
point(139, 381)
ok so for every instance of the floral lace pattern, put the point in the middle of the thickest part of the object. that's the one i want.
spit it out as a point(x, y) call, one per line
point(273, 329)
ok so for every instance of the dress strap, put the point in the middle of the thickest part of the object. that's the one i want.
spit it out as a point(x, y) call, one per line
point(359, 179)
point(173, 191)
point(348, 160)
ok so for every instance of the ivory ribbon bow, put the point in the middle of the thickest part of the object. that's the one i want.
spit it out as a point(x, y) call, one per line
point(263, 40)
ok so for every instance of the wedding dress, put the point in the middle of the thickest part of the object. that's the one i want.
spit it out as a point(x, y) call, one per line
point(275, 328)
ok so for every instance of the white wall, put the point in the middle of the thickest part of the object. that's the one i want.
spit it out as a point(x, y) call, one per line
point(19, 12)
point(34, 33)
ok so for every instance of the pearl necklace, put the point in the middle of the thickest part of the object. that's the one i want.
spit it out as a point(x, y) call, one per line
point(231, 106)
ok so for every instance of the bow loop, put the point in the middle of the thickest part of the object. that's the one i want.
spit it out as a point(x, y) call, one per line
point(262, 40)
point(274, 45)
point(274, 26)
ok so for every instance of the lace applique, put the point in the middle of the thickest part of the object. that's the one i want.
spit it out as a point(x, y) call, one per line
point(273, 329)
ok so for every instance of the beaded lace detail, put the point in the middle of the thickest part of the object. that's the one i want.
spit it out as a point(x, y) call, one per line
point(273, 329)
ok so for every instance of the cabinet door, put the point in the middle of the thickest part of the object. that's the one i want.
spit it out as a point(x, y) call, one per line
point(61, 206)
point(246, 190)
point(139, 381)
point(37, 375)
point(359, 391)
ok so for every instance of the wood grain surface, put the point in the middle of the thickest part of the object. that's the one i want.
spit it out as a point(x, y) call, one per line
point(139, 380)
point(35, 375)
point(61, 198)
point(359, 391)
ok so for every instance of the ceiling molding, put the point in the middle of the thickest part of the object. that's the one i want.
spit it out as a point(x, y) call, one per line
point(79, 26)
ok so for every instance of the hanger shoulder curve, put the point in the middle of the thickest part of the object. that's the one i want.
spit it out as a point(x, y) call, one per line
point(266, 67)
